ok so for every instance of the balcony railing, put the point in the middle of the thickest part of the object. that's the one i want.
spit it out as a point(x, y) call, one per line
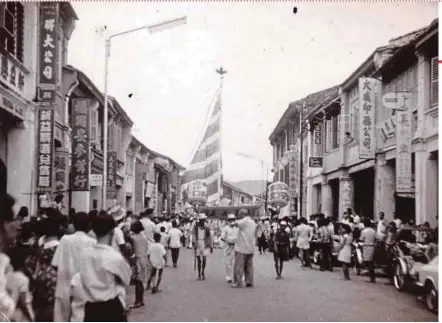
point(12, 72)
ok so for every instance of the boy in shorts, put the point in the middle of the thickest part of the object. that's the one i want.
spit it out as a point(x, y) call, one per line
point(157, 257)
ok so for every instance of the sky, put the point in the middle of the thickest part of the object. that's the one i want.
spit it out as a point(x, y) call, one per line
point(272, 56)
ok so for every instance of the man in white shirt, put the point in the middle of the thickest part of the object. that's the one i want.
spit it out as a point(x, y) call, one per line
point(397, 221)
point(304, 234)
point(229, 234)
point(174, 237)
point(381, 230)
point(148, 224)
point(244, 249)
point(67, 259)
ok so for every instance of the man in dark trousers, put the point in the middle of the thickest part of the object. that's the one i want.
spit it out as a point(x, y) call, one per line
point(202, 243)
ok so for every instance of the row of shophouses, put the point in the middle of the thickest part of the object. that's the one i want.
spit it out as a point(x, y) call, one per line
point(51, 124)
point(370, 143)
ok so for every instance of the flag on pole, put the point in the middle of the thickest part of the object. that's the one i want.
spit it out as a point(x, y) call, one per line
point(206, 162)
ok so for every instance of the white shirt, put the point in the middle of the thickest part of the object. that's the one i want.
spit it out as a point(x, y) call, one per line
point(118, 239)
point(78, 300)
point(100, 268)
point(149, 229)
point(398, 223)
point(175, 235)
point(245, 243)
point(304, 233)
point(156, 255)
point(67, 259)
point(229, 234)
point(382, 228)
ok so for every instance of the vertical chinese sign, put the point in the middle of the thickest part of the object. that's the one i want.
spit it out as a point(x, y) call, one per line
point(293, 176)
point(48, 51)
point(139, 186)
point(112, 175)
point(404, 178)
point(61, 171)
point(368, 88)
point(80, 144)
point(45, 155)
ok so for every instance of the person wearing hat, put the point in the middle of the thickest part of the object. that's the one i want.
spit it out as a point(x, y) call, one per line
point(261, 235)
point(202, 243)
point(228, 237)
point(281, 244)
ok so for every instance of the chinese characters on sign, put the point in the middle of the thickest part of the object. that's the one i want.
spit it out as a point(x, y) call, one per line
point(368, 88)
point(61, 171)
point(45, 153)
point(80, 144)
point(404, 179)
point(139, 186)
point(318, 134)
point(112, 175)
point(48, 49)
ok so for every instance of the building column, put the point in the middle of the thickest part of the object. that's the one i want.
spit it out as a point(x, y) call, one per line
point(423, 93)
point(384, 184)
point(20, 164)
point(426, 189)
point(346, 192)
point(326, 199)
point(81, 201)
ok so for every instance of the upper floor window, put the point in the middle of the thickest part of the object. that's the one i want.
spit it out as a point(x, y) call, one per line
point(332, 130)
point(12, 28)
point(434, 82)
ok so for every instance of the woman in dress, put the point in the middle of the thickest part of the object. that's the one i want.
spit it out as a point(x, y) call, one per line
point(345, 252)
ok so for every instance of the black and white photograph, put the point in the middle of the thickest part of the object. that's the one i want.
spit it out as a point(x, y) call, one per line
point(219, 161)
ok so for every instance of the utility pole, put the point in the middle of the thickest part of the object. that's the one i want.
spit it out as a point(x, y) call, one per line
point(301, 156)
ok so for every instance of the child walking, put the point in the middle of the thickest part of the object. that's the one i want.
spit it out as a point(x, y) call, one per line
point(157, 257)
point(345, 252)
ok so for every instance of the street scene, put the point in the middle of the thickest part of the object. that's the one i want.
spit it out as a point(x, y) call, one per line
point(218, 161)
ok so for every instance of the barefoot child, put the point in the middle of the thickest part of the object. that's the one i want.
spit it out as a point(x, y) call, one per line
point(157, 257)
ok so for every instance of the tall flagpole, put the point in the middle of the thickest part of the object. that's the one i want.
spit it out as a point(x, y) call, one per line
point(221, 73)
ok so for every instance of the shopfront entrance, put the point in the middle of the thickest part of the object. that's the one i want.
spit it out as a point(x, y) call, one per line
point(3, 178)
point(364, 192)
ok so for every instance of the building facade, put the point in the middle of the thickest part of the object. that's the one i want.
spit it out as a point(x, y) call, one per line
point(341, 171)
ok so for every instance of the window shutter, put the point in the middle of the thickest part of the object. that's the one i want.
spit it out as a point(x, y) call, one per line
point(344, 122)
point(434, 82)
point(328, 141)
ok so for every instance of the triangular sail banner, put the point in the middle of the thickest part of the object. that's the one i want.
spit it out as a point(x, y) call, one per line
point(206, 162)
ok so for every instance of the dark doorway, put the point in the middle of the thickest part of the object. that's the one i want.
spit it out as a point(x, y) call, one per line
point(3, 178)
point(405, 208)
point(364, 193)
point(334, 185)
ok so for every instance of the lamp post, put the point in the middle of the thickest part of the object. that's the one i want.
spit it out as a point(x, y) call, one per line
point(264, 183)
point(301, 160)
point(152, 29)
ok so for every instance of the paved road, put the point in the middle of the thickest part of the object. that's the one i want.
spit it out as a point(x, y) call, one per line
point(303, 295)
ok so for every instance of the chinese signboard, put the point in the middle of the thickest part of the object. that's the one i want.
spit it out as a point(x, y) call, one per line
point(48, 50)
point(318, 134)
point(61, 173)
point(112, 175)
point(96, 179)
point(368, 88)
point(293, 170)
point(404, 179)
point(315, 162)
point(139, 187)
point(387, 129)
point(80, 144)
point(45, 153)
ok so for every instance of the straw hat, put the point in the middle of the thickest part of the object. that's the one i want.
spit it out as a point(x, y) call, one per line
point(231, 217)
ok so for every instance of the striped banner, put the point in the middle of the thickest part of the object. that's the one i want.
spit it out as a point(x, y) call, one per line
point(206, 161)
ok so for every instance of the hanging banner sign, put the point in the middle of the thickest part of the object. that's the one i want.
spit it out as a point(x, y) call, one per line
point(48, 50)
point(139, 186)
point(61, 171)
point(315, 162)
point(318, 134)
point(96, 179)
point(368, 88)
point(404, 177)
point(80, 170)
point(293, 170)
point(45, 155)
point(112, 175)
point(387, 129)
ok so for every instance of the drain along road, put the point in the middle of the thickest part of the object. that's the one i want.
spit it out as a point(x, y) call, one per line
point(303, 295)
